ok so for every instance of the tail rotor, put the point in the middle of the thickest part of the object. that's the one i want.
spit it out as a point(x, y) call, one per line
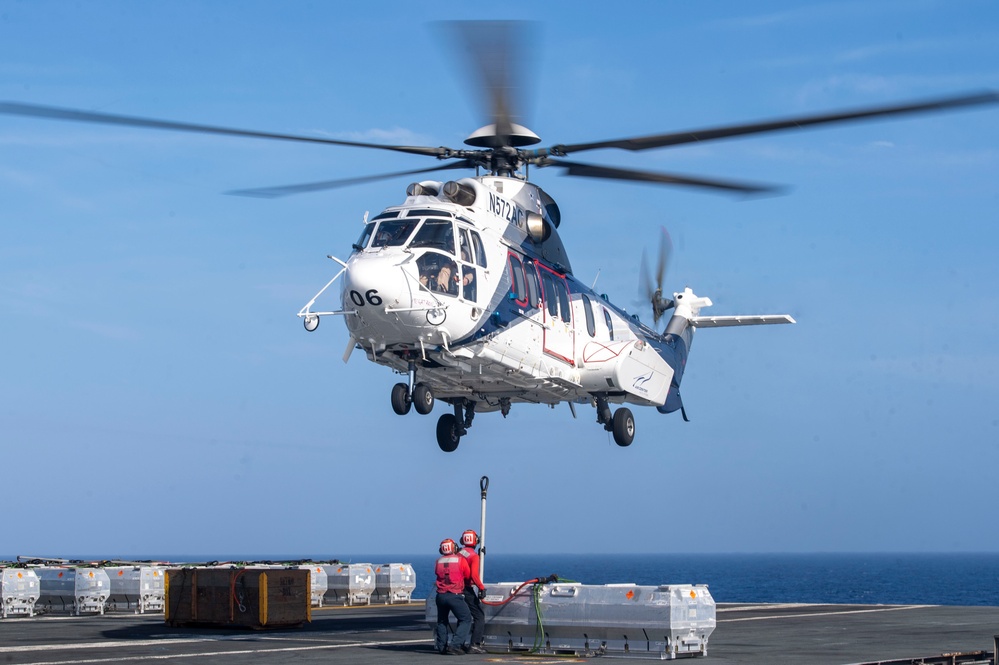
point(652, 285)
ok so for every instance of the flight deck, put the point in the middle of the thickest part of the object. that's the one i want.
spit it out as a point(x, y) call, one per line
point(804, 634)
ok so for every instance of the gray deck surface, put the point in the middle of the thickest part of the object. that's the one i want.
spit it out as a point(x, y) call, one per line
point(802, 634)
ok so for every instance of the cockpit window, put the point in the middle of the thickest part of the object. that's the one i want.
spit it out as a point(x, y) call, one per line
point(436, 233)
point(362, 242)
point(393, 233)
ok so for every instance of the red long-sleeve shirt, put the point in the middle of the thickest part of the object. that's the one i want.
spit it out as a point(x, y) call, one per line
point(472, 557)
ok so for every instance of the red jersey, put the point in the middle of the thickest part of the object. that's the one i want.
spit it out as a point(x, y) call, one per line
point(452, 572)
point(472, 557)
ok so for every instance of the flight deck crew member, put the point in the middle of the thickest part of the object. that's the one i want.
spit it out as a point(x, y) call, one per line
point(474, 590)
point(452, 572)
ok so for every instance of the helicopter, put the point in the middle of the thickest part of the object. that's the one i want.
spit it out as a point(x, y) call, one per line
point(465, 288)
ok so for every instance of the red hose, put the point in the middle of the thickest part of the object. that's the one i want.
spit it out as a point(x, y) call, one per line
point(512, 595)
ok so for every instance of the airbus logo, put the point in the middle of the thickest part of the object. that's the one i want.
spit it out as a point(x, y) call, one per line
point(639, 383)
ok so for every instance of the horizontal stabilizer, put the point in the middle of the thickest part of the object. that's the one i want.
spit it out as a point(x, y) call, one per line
point(749, 320)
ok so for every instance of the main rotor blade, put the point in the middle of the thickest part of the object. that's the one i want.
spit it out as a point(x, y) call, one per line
point(711, 134)
point(57, 113)
point(593, 171)
point(495, 51)
point(288, 190)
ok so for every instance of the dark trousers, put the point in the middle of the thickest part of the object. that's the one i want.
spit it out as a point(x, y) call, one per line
point(451, 603)
point(478, 614)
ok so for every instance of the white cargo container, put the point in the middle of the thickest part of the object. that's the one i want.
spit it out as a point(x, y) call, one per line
point(69, 589)
point(139, 588)
point(349, 583)
point(621, 620)
point(394, 583)
point(18, 591)
point(319, 581)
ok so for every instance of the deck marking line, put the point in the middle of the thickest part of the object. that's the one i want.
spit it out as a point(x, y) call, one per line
point(894, 608)
point(235, 652)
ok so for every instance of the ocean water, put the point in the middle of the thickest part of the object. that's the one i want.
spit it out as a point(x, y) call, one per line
point(917, 579)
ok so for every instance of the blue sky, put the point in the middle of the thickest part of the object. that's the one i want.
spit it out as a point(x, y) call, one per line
point(158, 395)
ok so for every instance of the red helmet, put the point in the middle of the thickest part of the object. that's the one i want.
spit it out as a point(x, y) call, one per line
point(469, 538)
point(448, 546)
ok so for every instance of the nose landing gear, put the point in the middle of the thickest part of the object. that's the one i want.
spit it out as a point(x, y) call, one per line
point(622, 424)
point(405, 395)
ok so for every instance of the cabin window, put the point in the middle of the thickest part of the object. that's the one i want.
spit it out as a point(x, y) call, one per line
point(550, 297)
point(533, 288)
point(394, 233)
point(517, 280)
point(436, 233)
point(438, 273)
point(610, 324)
point(478, 251)
point(591, 325)
point(563, 300)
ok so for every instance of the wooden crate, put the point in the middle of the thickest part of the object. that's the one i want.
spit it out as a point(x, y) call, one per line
point(242, 597)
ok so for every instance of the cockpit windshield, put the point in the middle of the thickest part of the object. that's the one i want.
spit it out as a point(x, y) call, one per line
point(393, 232)
point(436, 233)
point(362, 242)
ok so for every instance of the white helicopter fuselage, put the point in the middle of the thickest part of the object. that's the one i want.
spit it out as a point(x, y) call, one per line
point(466, 288)
point(508, 322)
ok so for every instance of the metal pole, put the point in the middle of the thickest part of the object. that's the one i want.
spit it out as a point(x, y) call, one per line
point(484, 486)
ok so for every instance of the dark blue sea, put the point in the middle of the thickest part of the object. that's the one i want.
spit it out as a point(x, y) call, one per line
point(917, 579)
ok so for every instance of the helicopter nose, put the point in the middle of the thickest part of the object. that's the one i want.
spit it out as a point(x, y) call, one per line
point(373, 288)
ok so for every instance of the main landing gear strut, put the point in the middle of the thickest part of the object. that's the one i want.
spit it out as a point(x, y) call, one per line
point(622, 424)
point(451, 427)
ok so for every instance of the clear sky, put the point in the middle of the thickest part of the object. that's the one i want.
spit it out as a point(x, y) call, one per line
point(159, 396)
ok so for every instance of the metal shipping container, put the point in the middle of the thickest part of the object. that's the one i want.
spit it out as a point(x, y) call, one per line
point(76, 590)
point(622, 620)
point(349, 583)
point(137, 587)
point(320, 582)
point(394, 583)
point(18, 591)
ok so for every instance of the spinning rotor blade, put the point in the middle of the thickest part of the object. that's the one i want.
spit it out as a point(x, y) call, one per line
point(288, 190)
point(711, 134)
point(653, 290)
point(495, 50)
point(57, 113)
point(593, 171)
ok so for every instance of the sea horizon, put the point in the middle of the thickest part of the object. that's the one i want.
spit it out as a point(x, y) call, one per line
point(879, 578)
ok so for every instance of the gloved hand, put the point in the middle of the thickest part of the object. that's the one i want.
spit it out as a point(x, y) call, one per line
point(482, 594)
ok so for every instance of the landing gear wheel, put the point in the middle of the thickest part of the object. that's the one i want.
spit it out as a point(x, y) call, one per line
point(400, 399)
point(624, 427)
point(447, 433)
point(423, 399)
point(311, 322)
